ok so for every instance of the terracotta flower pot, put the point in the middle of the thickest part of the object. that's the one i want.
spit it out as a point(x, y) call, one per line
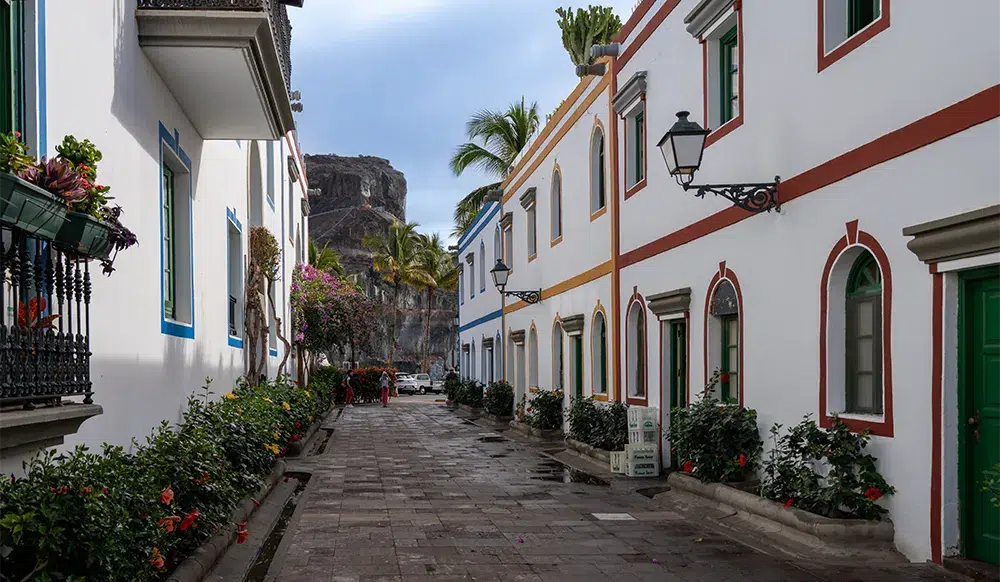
point(29, 208)
point(85, 235)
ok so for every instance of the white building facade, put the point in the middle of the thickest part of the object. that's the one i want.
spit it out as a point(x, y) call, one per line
point(480, 304)
point(872, 293)
point(191, 108)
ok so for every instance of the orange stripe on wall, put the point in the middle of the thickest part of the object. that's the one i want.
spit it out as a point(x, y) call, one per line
point(637, 15)
point(645, 33)
point(979, 108)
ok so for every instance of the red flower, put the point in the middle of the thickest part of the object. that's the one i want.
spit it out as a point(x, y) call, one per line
point(167, 523)
point(283, 451)
point(286, 479)
point(295, 438)
point(688, 467)
point(724, 377)
point(789, 502)
point(85, 490)
point(873, 493)
point(241, 536)
point(167, 495)
point(17, 134)
point(298, 424)
point(104, 490)
point(256, 503)
point(742, 460)
point(188, 520)
point(157, 559)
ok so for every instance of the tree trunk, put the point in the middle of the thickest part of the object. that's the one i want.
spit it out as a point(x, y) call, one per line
point(277, 328)
point(427, 333)
point(395, 320)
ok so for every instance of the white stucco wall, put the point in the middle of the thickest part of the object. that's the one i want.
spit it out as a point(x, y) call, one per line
point(102, 87)
point(479, 314)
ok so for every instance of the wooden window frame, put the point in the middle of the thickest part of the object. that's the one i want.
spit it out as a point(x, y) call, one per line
point(856, 294)
point(724, 128)
point(732, 378)
point(633, 144)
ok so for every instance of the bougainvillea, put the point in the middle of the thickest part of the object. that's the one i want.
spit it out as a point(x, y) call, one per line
point(330, 313)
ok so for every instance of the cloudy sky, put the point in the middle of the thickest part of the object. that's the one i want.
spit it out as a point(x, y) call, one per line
point(398, 79)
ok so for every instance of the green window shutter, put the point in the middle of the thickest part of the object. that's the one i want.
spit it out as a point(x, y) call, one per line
point(730, 347)
point(864, 337)
point(169, 284)
point(603, 362)
point(861, 13)
point(640, 356)
point(640, 146)
point(600, 173)
point(729, 83)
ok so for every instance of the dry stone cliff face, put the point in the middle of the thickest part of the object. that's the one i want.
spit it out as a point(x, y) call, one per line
point(362, 195)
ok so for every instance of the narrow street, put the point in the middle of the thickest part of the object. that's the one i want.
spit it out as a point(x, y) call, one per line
point(416, 493)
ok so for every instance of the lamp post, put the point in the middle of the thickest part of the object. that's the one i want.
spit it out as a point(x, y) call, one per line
point(500, 274)
point(683, 147)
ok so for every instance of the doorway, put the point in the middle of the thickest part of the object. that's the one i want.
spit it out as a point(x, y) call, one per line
point(673, 377)
point(577, 347)
point(979, 410)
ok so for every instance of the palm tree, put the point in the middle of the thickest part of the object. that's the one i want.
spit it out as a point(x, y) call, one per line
point(590, 26)
point(325, 259)
point(395, 256)
point(495, 140)
point(441, 270)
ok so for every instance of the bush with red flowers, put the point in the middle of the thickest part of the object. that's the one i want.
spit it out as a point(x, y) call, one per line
point(714, 441)
point(499, 399)
point(824, 471)
point(118, 515)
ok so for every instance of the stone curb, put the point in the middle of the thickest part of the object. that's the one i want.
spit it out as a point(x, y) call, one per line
point(469, 409)
point(498, 419)
point(537, 432)
point(200, 562)
point(840, 531)
point(589, 451)
point(295, 449)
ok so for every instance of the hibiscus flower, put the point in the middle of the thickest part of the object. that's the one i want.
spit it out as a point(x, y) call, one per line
point(168, 523)
point(167, 495)
point(188, 520)
point(873, 493)
point(157, 559)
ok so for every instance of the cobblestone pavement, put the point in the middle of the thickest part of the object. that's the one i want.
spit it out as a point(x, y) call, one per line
point(414, 493)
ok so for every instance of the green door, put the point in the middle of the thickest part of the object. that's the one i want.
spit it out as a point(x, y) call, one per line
point(678, 364)
point(578, 367)
point(979, 377)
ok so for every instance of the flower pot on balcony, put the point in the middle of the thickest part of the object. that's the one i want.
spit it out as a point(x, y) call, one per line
point(29, 208)
point(82, 234)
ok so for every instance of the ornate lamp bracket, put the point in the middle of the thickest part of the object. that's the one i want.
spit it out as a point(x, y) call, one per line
point(526, 296)
point(761, 197)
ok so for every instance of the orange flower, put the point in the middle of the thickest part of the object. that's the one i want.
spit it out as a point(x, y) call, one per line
point(188, 520)
point(168, 522)
point(167, 495)
point(157, 559)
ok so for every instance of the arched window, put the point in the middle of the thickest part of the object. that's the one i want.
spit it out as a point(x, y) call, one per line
point(557, 356)
point(863, 364)
point(498, 356)
point(497, 245)
point(726, 323)
point(636, 347)
point(599, 353)
point(532, 358)
point(555, 206)
point(472, 361)
point(598, 196)
point(482, 267)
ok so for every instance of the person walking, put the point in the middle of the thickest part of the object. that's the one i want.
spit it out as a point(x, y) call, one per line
point(349, 390)
point(385, 389)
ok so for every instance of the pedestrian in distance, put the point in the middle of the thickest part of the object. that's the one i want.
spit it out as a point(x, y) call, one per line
point(385, 389)
point(349, 390)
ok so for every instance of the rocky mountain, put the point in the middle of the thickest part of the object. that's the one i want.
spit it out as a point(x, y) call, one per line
point(361, 195)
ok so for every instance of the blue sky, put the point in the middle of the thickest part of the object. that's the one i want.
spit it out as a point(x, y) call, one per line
point(399, 78)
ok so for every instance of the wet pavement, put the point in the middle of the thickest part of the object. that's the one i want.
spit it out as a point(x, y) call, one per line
point(414, 493)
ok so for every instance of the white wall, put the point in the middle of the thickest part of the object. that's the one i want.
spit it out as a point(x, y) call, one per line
point(479, 315)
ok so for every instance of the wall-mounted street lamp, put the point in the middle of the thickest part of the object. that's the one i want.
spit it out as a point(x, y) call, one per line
point(500, 273)
point(682, 148)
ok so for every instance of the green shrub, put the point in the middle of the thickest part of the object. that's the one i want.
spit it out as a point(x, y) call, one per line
point(545, 410)
point(329, 378)
point(451, 385)
point(112, 515)
point(598, 425)
point(824, 471)
point(469, 393)
point(715, 442)
point(500, 399)
point(367, 384)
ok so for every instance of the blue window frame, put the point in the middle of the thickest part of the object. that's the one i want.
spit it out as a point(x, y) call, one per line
point(177, 299)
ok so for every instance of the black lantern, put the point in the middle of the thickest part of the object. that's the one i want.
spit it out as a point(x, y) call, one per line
point(683, 147)
point(500, 273)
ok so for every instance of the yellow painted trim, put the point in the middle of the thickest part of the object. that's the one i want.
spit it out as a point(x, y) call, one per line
point(567, 285)
point(599, 213)
point(513, 178)
point(556, 241)
point(532, 257)
point(593, 374)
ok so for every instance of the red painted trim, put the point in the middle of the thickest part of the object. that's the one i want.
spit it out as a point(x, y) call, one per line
point(980, 108)
point(645, 33)
point(724, 274)
point(825, 59)
point(852, 232)
point(637, 15)
point(937, 406)
point(885, 426)
point(637, 298)
point(729, 126)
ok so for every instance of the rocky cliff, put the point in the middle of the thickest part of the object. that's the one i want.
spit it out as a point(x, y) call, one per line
point(362, 195)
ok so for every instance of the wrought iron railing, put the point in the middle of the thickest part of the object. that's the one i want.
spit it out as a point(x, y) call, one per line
point(277, 11)
point(233, 331)
point(44, 322)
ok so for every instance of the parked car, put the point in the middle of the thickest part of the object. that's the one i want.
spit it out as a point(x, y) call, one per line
point(406, 384)
point(425, 384)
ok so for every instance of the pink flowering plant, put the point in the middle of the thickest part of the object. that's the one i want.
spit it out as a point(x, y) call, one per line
point(328, 312)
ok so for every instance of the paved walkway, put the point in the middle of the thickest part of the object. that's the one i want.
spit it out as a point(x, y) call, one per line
point(414, 493)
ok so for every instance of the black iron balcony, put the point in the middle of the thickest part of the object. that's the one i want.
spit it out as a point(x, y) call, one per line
point(227, 94)
point(233, 331)
point(44, 322)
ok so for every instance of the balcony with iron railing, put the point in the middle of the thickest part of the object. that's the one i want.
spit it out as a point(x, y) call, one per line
point(227, 62)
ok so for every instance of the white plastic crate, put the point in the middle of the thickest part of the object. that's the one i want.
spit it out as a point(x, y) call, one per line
point(639, 453)
point(643, 418)
point(645, 468)
point(618, 462)
point(644, 437)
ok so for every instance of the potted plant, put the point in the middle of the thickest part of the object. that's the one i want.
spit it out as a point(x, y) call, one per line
point(39, 210)
point(92, 228)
